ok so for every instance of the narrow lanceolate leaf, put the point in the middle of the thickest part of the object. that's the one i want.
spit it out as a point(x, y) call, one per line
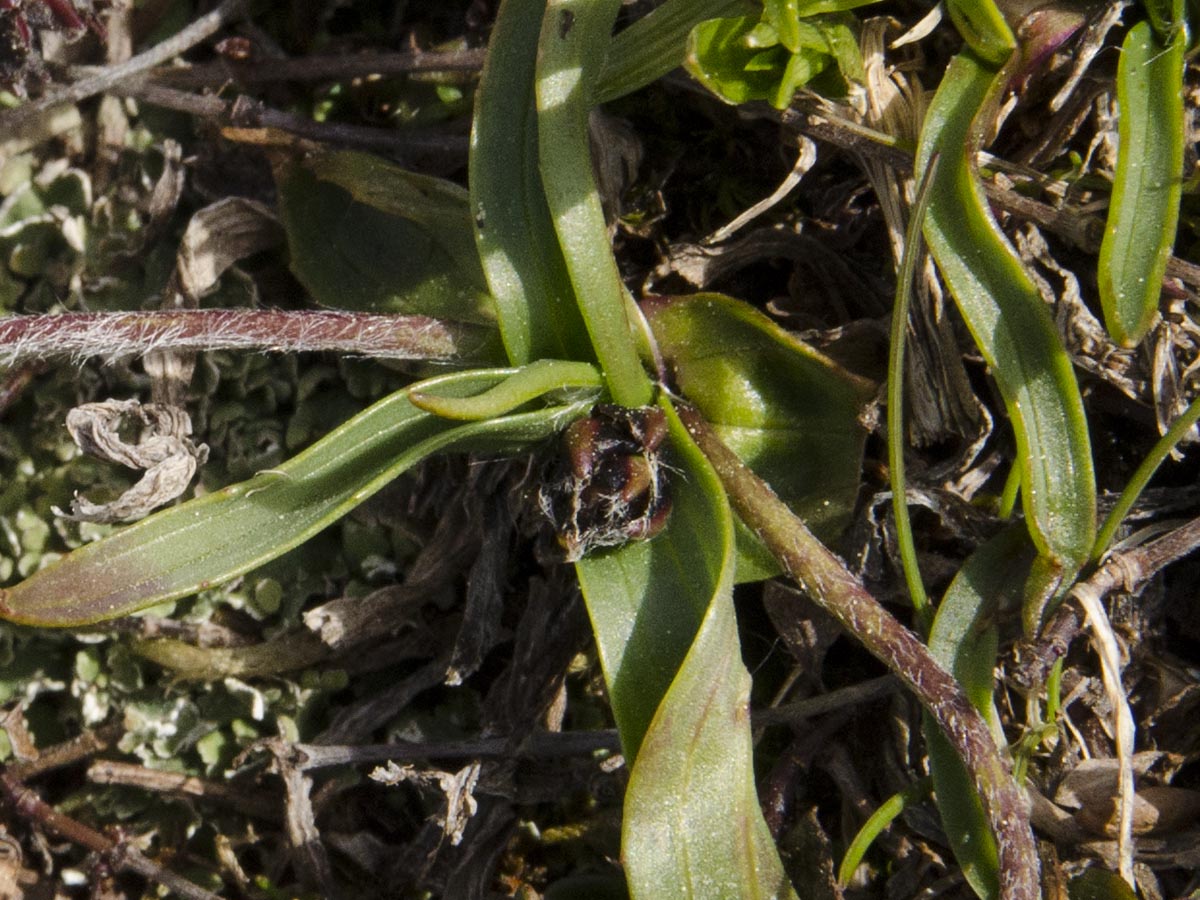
point(984, 28)
point(964, 639)
point(535, 303)
point(571, 52)
point(209, 540)
point(1144, 210)
point(1014, 331)
point(662, 612)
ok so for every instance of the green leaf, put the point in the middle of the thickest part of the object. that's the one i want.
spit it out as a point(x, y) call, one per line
point(784, 17)
point(742, 59)
point(1014, 331)
point(662, 612)
point(657, 43)
point(878, 822)
point(719, 58)
point(515, 237)
point(1166, 16)
point(575, 36)
point(984, 28)
point(964, 640)
point(895, 399)
point(219, 536)
point(789, 412)
point(533, 381)
point(346, 214)
point(1099, 884)
point(1144, 210)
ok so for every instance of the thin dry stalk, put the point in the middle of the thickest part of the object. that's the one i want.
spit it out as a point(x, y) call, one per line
point(1125, 571)
point(245, 112)
point(111, 76)
point(318, 68)
point(28, 805)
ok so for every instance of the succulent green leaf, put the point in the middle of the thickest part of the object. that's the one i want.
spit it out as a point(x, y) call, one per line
point(1015, 334)
point(1166, 16)
point(346, 213)
point(514, 234)
point(1144, 210)
point(219, 536)
point(662, 613)
point(788, 411)
point(534, 380)
point(571, 51)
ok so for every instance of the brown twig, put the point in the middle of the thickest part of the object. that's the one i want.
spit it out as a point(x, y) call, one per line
point(110, 76)
point(256, 804)
point(28, 805)
point(828, 582)
point(67, 753)
point(1125, 570)
point(318, 68)
point(542, 745)
point(31, 338)
point(822, 704)
point(245, 112)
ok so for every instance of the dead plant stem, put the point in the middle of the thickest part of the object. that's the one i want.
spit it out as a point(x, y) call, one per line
point(110, 76)
point(27, 804)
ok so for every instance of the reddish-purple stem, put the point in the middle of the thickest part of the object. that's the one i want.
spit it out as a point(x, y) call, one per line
point(25, 339)
point(827, 581)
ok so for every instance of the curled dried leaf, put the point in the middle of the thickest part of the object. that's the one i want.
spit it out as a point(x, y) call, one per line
point(164, 449)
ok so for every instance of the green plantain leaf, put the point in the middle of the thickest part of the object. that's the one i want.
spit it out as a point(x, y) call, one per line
point(1014, 331)
point(965, 639)
point(662, 612)
point(514, 233)
point(1144, 210)
point(216, 537)
point(365, 234)
point(789, 412)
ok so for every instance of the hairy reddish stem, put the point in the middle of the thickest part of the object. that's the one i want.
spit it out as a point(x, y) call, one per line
point(827, 581)
point(28, 338)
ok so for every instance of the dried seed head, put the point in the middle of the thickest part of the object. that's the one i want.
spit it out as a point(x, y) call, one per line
point(609, 488)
